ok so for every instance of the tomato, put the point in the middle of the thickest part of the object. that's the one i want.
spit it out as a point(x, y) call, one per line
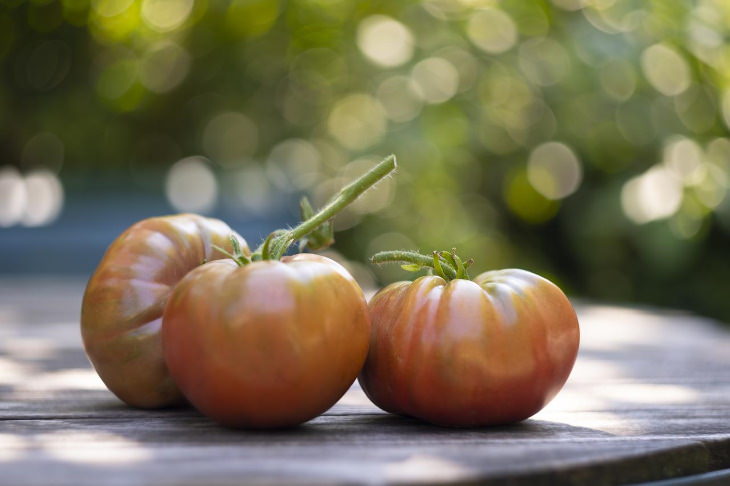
point(121, 313)
point(493, 350)
point(272, 343)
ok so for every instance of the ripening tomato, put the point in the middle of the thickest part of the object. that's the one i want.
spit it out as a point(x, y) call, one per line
point(493, 350)
point(268, 344)
point(121, 314)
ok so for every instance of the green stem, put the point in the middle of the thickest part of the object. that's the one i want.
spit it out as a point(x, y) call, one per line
point(343, 198)
point(444, 269)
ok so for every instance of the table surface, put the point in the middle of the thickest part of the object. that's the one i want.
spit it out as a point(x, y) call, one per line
point(649, 399)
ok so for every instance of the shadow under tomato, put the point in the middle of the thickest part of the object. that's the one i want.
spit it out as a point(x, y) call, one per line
point(399, 427)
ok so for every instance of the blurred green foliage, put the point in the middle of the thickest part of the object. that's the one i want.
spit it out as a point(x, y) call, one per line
point(586, 140)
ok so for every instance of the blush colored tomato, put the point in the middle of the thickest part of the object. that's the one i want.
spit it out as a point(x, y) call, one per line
point(121, 314)
point(268, 344)
point(494, 350)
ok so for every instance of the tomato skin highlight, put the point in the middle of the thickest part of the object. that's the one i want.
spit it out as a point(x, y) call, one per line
point(494, 350)
point(121, 312)
point(270, 344)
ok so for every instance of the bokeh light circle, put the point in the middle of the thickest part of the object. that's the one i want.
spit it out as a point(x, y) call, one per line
point(436, 80)
point(294, 164)
point(191, 186)
point(554, 170)
point(385, 41)
point(357, 121)
point(653, 195)
point(44, 198)
point(166, 15)
point(492, 30)
point(12, 196)
point(164, 67)
point(399, 98)
point(665, 69)
point(230, 138)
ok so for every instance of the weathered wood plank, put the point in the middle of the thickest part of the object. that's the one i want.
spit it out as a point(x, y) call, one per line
point(649, 399)
point(334, 451)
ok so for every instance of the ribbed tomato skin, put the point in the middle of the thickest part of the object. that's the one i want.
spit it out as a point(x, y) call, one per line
point(494, 350)
point(269, 344)
point(121, 312)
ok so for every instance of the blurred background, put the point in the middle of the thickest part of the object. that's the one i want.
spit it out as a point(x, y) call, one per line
point(585, 140)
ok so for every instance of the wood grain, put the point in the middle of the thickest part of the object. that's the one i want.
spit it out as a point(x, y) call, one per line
point(649, 399)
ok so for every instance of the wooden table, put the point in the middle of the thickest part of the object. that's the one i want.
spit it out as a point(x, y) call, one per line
point(649, 399)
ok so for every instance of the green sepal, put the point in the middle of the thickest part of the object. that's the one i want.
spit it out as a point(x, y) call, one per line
point(322, 237)
point(237, 255)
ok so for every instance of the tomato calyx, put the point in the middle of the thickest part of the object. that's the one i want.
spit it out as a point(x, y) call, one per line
point(446, 264)
point(237, 255)
point(322, 237)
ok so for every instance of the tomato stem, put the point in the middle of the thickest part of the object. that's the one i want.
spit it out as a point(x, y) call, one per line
point(447, 265)
point(278, 242)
